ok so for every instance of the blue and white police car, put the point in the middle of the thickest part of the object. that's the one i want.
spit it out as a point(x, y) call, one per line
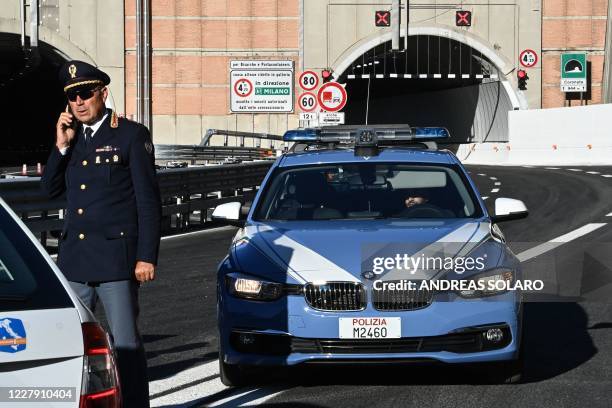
point(368, 244)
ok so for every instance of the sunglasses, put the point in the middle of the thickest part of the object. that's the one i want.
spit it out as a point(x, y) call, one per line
point(84, 94)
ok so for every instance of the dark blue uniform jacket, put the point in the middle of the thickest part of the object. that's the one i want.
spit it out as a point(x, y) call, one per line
point(113, 209)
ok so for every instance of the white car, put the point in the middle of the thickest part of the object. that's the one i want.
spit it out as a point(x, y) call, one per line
point(53, 353)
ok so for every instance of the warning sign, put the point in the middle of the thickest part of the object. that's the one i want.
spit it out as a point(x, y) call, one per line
point(332, 97)
point(261, 86)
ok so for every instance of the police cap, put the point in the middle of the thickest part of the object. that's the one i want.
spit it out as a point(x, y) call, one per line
point(75, 74)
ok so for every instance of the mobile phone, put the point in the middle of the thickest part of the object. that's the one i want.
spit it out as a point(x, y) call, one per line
point(75, 122)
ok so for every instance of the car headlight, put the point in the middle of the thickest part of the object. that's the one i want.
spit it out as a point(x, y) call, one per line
point(488, 284)
point(253, 288)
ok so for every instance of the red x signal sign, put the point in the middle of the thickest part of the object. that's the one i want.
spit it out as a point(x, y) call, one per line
point(382, 18)
point(463, 18)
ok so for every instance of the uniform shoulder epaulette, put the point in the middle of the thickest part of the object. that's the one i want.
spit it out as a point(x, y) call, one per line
point(114, 122)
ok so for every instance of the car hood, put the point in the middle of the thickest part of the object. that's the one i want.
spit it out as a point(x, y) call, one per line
point(313, 251)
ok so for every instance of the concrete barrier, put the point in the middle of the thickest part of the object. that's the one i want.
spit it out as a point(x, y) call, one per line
point(561, 136)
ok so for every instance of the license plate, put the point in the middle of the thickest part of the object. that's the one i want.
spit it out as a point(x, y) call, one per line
point(370, 327)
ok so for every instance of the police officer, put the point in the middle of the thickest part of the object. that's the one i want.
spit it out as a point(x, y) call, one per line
point(110, 240)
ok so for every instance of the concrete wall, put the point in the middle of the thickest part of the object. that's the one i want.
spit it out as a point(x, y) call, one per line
point(558, 136)
point(88, 30)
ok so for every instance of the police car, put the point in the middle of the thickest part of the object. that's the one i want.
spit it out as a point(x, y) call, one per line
point(368, 244)
point(53, 353)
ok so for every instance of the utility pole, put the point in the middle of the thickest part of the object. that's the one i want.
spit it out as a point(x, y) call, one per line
point(607, 74)
point(396, 11)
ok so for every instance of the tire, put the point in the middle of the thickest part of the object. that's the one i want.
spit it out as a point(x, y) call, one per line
point(232, 375)
point(511, 371)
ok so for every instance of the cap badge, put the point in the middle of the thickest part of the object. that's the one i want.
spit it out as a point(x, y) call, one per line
point(72, 70)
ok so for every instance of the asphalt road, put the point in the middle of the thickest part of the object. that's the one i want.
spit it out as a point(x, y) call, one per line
point(568, 345)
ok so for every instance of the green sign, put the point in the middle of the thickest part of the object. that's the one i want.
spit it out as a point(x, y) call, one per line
point(272, 91)
point(573, 66)
point(573, 72)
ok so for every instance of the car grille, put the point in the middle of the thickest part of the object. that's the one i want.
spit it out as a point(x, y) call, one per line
point(405, 299)
point(336, 296)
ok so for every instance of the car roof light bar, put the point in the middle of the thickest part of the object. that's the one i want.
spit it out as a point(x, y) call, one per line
point(372, 135)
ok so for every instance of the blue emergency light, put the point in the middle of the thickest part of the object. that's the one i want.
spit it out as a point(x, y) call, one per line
point(366, 135)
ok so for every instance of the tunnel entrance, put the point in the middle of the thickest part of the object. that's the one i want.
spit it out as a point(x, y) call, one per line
point(31, 98)
point(435, 81)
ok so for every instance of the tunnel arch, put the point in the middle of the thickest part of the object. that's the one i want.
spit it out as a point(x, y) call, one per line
point(489, 99)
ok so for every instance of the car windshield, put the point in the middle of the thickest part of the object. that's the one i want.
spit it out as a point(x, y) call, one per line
point(367, 190)
point(26, 279)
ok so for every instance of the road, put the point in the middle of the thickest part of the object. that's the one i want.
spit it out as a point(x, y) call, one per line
point(568, 345)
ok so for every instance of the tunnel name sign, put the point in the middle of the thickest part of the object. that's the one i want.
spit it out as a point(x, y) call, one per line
point(261, 86)
point(573, 72)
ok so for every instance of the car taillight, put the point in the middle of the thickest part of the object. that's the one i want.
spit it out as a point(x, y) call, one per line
point(100, 386)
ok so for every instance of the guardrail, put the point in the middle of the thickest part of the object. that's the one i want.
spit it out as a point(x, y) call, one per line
point(206, 154)
point(187, 195)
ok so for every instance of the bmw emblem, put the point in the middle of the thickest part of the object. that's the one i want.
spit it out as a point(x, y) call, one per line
point(368, 275)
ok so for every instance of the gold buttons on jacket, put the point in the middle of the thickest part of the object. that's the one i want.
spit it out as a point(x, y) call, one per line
point(83, 186)
point(80, 211)
point(81, 236)
point(84, 162)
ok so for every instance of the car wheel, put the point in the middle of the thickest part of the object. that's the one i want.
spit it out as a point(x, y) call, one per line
point(232, 375)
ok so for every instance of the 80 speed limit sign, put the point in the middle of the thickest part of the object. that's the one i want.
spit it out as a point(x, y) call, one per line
point(309, 80)
point(307, 102)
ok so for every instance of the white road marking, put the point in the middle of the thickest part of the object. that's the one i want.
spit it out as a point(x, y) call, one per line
point(575, 169)
point(593, 172)
point(493, 178)
point(560, 240)
point(552, 168)
point(216, 229)
point(495, 190)
point(606, 175)
point(184, 377)
point(609, 215)
point(498, 183)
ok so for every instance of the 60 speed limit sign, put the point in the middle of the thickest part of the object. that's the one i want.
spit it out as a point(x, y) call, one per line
point(309, 80)
point(528, 58)
point(307, 102)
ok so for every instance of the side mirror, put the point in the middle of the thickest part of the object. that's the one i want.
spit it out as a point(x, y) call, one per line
point(229, 213)
point(508, 209)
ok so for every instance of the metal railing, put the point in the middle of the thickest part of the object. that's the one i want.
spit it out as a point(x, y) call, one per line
point(206, 154)
point(187, 196)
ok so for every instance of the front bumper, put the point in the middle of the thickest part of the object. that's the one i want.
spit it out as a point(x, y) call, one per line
point(289, 332)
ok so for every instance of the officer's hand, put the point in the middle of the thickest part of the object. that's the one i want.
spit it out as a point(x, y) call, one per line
point(65, 130)
point(145, 271)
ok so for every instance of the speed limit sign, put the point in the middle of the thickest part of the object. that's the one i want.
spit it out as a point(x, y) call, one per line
point(528, 58)
point(309, 80)
point(307, 102)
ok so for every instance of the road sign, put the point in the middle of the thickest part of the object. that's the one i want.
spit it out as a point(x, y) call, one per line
point(463, 18)
point(332, 97)
point(261, 86)
point(309, 80)
point(307, 102)
point(331, 118)
point(573, 72)
point(309, 119)
point(382, 18)
point(528, 58)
